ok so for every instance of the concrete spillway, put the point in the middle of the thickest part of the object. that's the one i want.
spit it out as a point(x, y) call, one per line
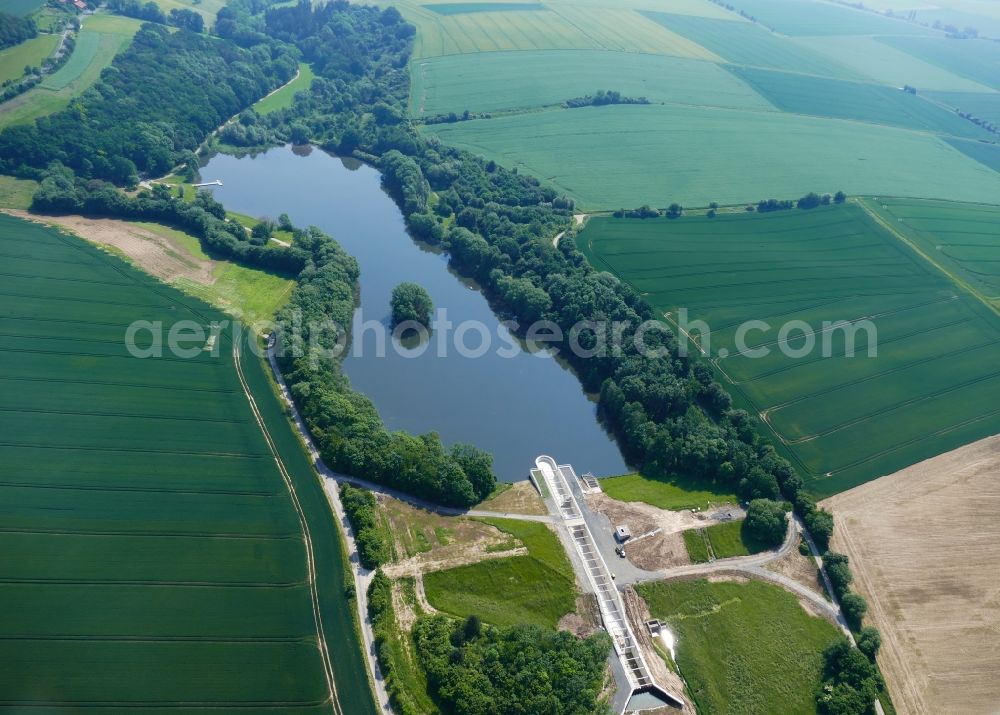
point(555, 478)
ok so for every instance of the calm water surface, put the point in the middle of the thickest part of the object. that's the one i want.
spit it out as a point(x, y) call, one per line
point(516, 408)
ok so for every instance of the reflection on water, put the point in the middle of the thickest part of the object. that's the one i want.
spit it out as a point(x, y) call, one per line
point(516, 408)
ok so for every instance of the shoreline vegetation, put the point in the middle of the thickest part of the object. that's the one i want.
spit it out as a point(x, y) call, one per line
point(669, 415)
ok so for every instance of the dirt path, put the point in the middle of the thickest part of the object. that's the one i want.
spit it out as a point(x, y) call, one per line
point(362, 576)
point(306, 535)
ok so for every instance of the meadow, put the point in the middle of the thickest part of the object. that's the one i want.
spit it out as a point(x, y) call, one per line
point(727, 539)
point(743, 647)
point(931, 387)
point(31, 52)
point(16, 193)
point(252, 294)
point(494, 81)
point(626, 156)
point(283, 98)
point(82, 70)
point(206, 8)
point(536, 588)
point(672, 493)
point(877, 104)
point(149, 536)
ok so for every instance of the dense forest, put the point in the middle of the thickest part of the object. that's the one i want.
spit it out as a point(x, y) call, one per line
point(479, 670)
point(14, 30)
point(154, 106)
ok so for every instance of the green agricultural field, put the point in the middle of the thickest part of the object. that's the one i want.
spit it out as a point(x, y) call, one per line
point(743, 647)
point(536, 588)
point(978, 60)
point(31, 52)
point(743, 43)
point(984, 106)
point(869, 57)
point(493, 81)
point(878, 104)
point(284, 97)
point(815, 17)
point(986, 154)
point(555, 26)
point(149, 536)
point(113, 33)
point(674, 493)
point(458, 8)
point(964, 239)
point(626, 156)
point(932, 385)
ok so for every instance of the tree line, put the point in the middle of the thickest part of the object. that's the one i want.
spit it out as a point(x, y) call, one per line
point(14, 30)
point(360, 506)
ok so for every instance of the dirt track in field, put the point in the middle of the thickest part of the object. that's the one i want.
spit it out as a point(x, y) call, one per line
point(924, 545)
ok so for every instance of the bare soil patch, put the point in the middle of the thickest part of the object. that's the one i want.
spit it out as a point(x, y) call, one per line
point(158, 255)
point(521, 498)
point(662, 550)
point(585, 620)
point(924, 545)
point(425, 541)
point(798, 568)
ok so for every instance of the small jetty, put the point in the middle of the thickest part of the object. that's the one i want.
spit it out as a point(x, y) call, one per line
point(217, 182)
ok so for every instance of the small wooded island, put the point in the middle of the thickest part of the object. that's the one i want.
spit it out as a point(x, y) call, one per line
point(411, 302)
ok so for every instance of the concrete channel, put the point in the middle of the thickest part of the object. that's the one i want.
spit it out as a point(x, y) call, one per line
point(557, 479)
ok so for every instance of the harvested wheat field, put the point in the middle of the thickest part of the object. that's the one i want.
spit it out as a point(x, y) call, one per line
point(924, 543)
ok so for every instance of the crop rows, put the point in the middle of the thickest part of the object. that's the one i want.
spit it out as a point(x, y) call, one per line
point(931, 385)
point(150, 556)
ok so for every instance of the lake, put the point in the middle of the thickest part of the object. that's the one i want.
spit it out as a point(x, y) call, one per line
point(470, 382)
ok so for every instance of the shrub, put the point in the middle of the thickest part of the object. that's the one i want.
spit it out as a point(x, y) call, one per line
point(855, 607)
point(839, 571)
point(765, 521)
point(869, 641)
